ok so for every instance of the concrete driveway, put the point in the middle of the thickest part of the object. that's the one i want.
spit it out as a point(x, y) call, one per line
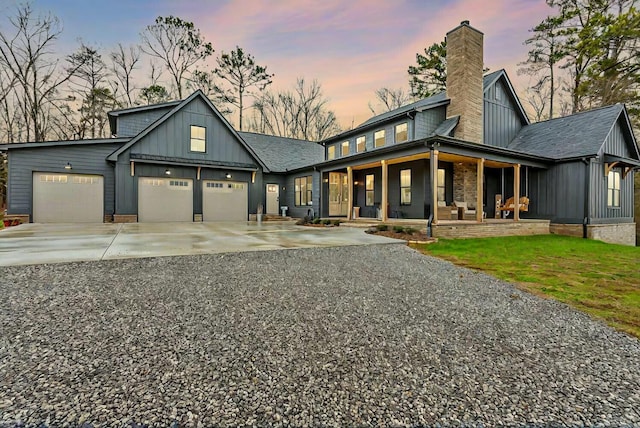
point(57, 243)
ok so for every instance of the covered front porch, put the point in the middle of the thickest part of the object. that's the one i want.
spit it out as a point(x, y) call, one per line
point(438, 183)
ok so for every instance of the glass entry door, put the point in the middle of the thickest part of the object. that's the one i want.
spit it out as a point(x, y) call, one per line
point(338, 194)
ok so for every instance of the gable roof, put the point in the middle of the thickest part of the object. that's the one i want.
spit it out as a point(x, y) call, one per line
point(581, 134)
point(282, 154)
point(490, 79)
point(113, 114)
point(423, 104)
point(114, 156)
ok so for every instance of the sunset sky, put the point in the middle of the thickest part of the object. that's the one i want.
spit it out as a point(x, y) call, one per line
point(352, 47)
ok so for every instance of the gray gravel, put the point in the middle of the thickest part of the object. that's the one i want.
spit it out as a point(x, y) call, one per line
point(370, 335)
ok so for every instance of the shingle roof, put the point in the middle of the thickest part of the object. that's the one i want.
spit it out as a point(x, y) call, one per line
point(425, 102)
point(447, 125)
point(282, 154)
point(581, 134)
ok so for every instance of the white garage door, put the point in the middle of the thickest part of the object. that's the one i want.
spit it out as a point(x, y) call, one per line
point(165, 199)
point(224, 201)
point(68, 198)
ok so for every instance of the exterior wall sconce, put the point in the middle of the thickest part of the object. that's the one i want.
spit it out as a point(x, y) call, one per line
point(356, 182)
point(67, 166)
point(228, 175)
point(167, 172)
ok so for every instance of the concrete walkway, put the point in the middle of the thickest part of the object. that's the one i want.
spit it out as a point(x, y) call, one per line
point(58, 243)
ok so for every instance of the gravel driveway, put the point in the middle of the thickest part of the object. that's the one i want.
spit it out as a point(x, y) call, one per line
point(370, 335)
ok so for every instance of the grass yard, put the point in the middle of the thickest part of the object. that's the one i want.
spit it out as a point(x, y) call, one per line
point(600, 279)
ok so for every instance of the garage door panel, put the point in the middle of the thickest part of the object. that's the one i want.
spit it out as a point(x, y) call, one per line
point(225, 201)
point(68, 198)
point(165, 200)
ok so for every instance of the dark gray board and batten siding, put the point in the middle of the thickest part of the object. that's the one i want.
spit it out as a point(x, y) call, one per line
point(301, 211)
point(172, 139)
point(85, 158)
point(501, 119)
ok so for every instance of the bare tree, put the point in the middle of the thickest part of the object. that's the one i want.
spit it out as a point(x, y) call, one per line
point(300, 113)
point(123, 62)
point(240, 70)
point(205, 82)
point(389, 99)
point(88, 84)
point(26, 54)
point(178, 44)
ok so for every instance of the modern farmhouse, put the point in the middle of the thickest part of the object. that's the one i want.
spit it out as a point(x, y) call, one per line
point(469, 154)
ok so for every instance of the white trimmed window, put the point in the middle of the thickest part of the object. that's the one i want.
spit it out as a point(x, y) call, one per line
point(378, 138)
point(198, 139)
point(402, 134)
point(613, 189)
point(405, 187)
point(331, 152)
point(345, 149)
point(361, 144)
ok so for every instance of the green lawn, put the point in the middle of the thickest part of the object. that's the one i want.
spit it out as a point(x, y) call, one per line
point(600, 279)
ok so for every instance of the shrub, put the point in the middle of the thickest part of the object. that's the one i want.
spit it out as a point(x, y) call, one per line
point(398, 229)
point(382, 227)
point(317, 220)
point(336, 222)
point(410, 230)
point(326, 221)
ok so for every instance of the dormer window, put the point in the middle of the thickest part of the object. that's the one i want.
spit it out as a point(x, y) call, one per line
point(198, 139)
point(345, 149)
point(331, 152)
point(401, 133)
point(378, 138)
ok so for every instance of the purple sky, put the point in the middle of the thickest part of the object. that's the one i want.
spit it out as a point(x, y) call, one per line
point(352, 47)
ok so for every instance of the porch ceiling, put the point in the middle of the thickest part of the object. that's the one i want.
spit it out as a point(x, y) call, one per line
point(447, 157)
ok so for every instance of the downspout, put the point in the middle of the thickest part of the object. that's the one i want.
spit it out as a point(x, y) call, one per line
point(587, 217)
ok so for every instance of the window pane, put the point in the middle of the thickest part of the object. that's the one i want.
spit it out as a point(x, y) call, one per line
point(405, 178)
point(440, 177)
point(361, 144)
point(401, 133)
point(405, 196)
point(331, 152)
point(345, 148)
point(369, 182)
point(198, 139)
point(197, 145)
point(369, 201)
point(379, 138)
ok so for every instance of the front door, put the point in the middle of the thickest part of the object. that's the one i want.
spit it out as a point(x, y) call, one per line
point(273, 198)
point(338, 194)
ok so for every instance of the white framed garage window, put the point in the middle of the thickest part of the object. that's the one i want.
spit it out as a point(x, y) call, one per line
point(53, 178)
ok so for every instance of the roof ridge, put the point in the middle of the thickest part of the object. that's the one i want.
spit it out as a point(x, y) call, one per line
point(277, 136)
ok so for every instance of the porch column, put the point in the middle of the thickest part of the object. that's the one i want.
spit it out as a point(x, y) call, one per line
point(434, 184)
point(385, 189)
point(350, 193)
point(480, 189)
point(516, 192)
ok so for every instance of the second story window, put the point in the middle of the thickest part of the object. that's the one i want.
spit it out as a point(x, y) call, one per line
point(401, 133)
point(198, 139)
point(344, 151)
point(378, 138)
point(331, 152)
point(361, 144)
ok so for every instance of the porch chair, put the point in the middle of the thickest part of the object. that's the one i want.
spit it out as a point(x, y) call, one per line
point(471, 212)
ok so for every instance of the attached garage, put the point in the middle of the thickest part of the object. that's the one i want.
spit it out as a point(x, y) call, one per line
point(68, 198)
point(225, 201)
point(165, 199)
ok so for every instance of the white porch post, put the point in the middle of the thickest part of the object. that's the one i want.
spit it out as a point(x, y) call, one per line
point(385, 189)
point(516, 192)
point(480, 190)
point(350, 193)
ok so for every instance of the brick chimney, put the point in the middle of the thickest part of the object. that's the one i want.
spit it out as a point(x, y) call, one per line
point(464, 81)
